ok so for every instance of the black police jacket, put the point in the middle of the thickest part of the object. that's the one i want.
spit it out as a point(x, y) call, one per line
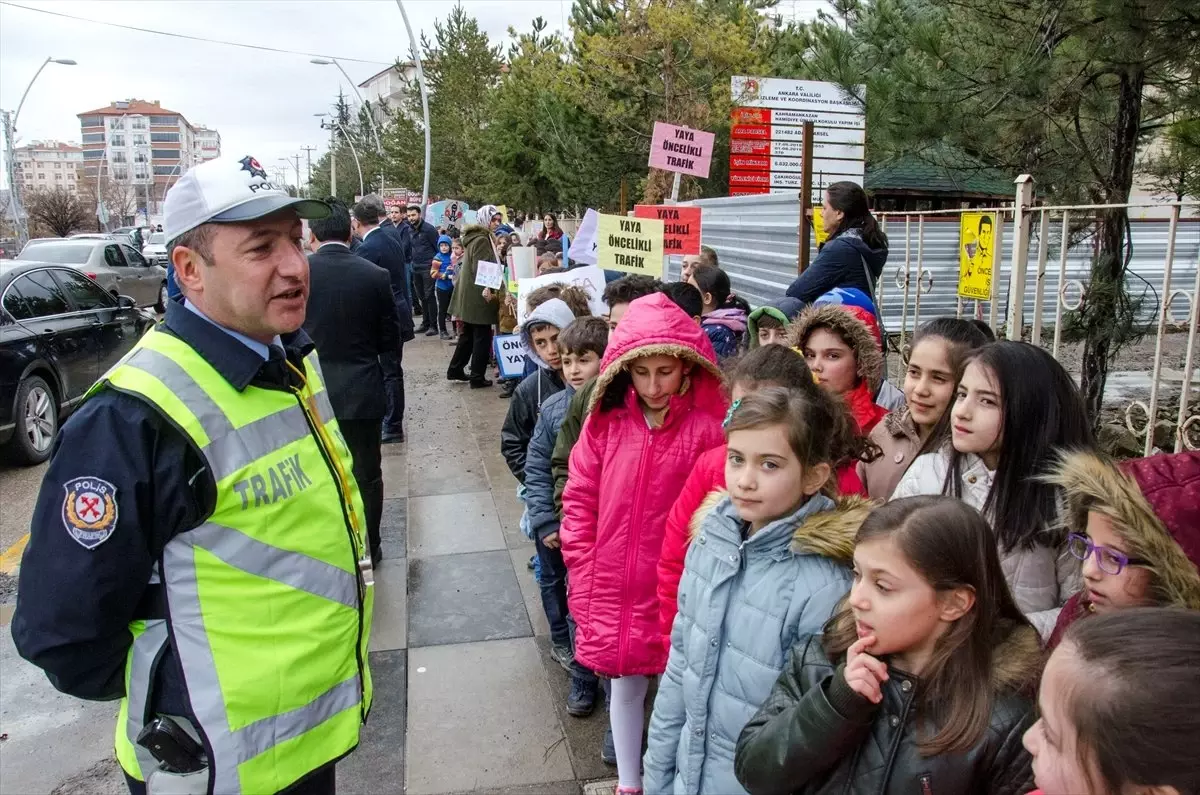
point(75, 602)
point(815, 735)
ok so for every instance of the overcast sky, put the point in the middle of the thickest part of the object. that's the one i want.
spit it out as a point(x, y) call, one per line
point(261, 102)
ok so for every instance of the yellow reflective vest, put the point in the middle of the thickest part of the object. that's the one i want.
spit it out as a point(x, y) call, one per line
point(268, 601)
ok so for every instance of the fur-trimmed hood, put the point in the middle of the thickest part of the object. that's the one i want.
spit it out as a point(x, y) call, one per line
point(829, 533)
point(856, 326)
point(1017, 661)
point(655, 326)
point(1155, 507)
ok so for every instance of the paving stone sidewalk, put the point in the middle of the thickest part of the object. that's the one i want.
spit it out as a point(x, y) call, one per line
point(466, 696)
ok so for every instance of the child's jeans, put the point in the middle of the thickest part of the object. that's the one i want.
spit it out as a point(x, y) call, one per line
point(527, 531)
point(553, 586)
point(443, 307)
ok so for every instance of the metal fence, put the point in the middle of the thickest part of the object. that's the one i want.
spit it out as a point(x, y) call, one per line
point(757, 241)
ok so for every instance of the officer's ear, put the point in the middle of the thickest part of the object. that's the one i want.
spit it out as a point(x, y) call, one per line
point(191, 254)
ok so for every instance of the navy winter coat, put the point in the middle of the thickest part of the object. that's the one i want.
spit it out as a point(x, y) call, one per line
point(539, 478)
point(839, 263)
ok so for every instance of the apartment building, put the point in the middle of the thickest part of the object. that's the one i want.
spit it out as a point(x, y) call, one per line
point(134, 149)
point(46, 164)
point(208, 143)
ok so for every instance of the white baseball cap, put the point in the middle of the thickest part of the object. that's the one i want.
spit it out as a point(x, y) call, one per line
point(229, 190)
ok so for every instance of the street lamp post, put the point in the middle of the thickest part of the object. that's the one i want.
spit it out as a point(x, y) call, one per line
point(416, 54)
point(357, 93)
point(10, 132)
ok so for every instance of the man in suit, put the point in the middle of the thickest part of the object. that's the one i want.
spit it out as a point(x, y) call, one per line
point(352, 320)
point(382, 248)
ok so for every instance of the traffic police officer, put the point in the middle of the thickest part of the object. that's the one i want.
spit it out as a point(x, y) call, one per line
point(197, 548)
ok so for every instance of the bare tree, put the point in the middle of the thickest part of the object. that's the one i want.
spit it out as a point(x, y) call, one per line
point(57, 209)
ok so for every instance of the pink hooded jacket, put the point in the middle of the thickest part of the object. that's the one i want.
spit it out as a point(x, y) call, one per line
point(624, 477)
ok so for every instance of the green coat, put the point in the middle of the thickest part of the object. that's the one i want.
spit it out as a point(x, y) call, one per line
point(468, 304)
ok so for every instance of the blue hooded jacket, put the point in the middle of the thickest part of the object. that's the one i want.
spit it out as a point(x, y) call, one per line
point(444, 270)
point(839, 263)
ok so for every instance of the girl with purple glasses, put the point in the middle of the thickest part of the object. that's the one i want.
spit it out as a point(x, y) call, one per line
point(1136, 529)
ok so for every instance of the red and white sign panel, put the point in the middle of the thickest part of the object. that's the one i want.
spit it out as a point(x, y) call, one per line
point(794, 164)
point(786, 132)
point(681, 226)
point(779, 92)
point(767, 179)
point(795, 149)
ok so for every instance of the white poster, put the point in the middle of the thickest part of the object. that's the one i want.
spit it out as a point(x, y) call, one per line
point(489, 274)
point(590, 278)
point(583, 246)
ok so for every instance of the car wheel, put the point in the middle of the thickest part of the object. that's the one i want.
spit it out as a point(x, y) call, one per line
point(161, 306)
point(37, 422)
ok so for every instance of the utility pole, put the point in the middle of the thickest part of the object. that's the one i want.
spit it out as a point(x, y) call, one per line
point(332, 155)
point(14, 197)
point(308, 150)
point(294, 161)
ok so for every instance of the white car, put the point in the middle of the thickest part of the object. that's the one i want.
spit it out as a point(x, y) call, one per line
point(155, 249)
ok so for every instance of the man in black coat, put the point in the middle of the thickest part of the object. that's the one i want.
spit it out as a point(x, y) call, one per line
point(423, 236)
point(382, 248)
point(352, 320)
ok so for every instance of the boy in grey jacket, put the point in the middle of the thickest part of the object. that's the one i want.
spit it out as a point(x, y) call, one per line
point(580, 347)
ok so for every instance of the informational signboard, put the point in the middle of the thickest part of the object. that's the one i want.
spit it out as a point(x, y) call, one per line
point(681, 149)
point(510, 354)
point(784, 93)
point(489, 274)
point(589, 278)
point(632, 245)
point(790, 181)
point(767, 136)
point(854, 168)
point(976, 238)
point(681, 226)
point(395, 197)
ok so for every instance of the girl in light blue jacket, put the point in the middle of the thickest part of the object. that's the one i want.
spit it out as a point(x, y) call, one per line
point(768, 563)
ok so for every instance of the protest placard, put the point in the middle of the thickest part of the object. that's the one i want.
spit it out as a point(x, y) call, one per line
point(583, 246)
point(589, 278)
point(510, 354)
point(681, 149)
point(681, 226)
point(489, 274)
point(522, 264)
point(631, 245)
point(976, 255)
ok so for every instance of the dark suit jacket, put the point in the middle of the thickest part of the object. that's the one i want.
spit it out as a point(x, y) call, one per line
point(352, 320)
point(385, 250)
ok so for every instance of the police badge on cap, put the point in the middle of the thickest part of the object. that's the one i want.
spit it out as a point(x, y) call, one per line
point(90, 510)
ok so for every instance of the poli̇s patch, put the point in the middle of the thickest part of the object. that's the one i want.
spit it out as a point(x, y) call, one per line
point(90, 510)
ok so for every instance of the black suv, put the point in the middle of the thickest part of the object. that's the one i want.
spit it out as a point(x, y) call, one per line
point(59, 332)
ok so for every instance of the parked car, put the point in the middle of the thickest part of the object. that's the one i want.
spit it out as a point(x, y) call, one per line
point(155, 249)
point(113, 263)
point(59, 332)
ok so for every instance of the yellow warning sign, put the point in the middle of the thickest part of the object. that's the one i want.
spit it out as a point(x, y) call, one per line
point(819, 226)
point(633, 245)
point(976, 238)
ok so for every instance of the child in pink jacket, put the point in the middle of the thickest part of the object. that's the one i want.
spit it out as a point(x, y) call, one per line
point(658, 404)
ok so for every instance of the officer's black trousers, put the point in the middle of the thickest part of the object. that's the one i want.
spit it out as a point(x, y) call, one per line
point(362, 437)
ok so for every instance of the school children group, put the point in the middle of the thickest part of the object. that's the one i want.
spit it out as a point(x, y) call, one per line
point(843, 585)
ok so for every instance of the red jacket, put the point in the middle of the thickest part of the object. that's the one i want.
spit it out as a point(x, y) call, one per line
point(706, 477)
point(624, 477)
